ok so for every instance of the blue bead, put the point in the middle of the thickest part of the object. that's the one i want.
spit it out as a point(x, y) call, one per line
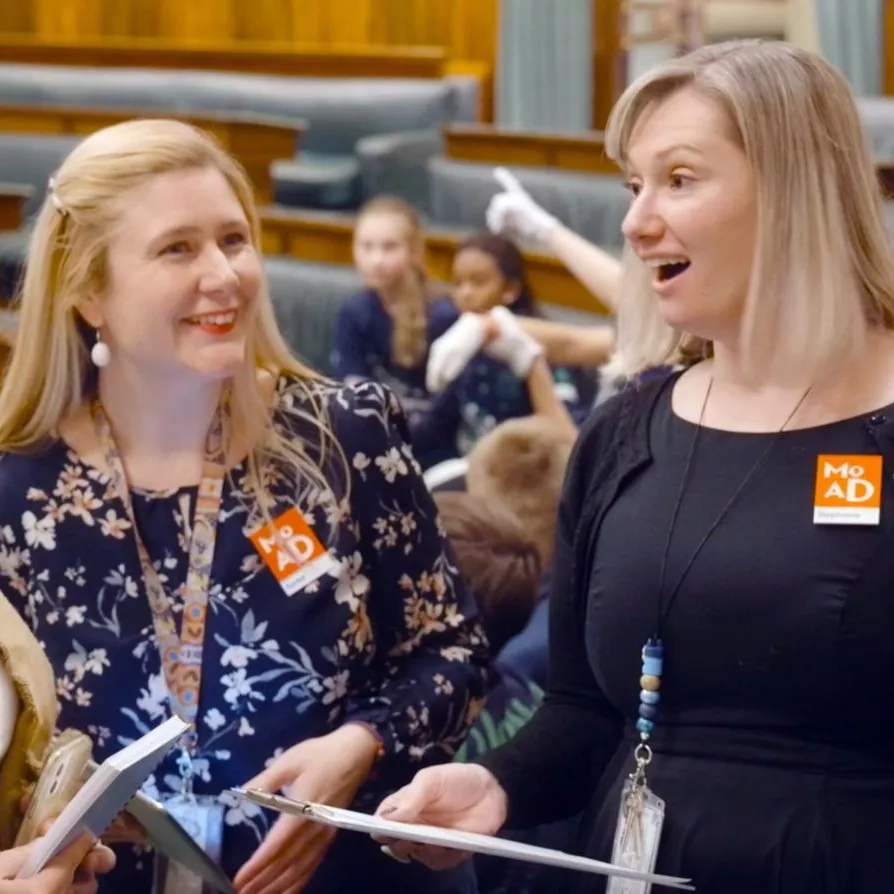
point(652, 666)
point(648, 711)
point(654, 648)
point(649, 698)
point(645, 726)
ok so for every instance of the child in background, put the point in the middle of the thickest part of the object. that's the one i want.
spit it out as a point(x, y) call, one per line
point(501, 566)
point(384, 332)
point(488, 273)
point(520, 465)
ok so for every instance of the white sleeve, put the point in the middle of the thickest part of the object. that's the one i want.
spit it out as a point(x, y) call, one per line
point(9, 709)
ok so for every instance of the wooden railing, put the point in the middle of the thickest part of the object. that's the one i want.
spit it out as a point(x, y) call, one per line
point(262, 57)
point(582, 152)
point(328, 239)
point(12, 205)
point(256, 141)
point(490, 145)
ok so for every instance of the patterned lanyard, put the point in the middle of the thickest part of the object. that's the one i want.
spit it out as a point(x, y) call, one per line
point(181, 656)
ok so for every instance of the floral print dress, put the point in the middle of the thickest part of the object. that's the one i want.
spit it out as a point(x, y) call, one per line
point(388, 637)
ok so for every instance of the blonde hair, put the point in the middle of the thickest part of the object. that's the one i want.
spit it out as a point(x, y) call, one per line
point(823, 271)
point(409, 336)
point(521, 465)
point(49, 376)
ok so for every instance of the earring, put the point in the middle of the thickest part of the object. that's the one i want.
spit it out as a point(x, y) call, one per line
point(100, 353)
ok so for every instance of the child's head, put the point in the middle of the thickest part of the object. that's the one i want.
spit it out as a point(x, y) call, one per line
point(388, 255)
point(387, 243)
point(488, 271)
point(521, 465)
point(500, 564)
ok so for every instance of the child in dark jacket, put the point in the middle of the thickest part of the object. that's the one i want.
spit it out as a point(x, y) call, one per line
point(384, 332)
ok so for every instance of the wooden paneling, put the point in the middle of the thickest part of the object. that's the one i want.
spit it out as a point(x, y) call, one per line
point(12, 204)
point(489, 145)
point(466, 29)
point(327, 239)
point(256, 142)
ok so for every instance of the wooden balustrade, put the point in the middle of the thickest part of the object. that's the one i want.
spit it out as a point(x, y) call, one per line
point(489, 145)
point(247, 57)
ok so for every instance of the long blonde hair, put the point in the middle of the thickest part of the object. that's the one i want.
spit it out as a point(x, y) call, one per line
point(409, 334)
point(823, 270)
point(50, 377)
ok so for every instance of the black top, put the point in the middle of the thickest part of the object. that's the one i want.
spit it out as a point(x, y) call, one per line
point(773, 747)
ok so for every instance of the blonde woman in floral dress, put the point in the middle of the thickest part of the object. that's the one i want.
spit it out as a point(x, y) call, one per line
point(194, 521)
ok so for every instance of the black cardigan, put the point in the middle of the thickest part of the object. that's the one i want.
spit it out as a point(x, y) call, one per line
point(552, 767)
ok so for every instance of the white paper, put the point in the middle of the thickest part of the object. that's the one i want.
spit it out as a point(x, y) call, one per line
point(464, 841)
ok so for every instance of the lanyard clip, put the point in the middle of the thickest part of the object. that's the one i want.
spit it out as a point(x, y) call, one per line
point(186, 766)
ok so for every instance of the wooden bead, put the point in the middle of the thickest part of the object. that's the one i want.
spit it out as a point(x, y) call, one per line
point(650, 683)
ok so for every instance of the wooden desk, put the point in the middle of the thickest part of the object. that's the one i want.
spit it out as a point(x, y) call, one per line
point(12, 205)
point(248, 57)
point(328, 239)
point(489, 145)
point(256, 141)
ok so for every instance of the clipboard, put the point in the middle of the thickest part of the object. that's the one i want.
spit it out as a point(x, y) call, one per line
point(471, 842)
point(167, 836)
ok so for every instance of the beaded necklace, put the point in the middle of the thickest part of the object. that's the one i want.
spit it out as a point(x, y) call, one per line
point(653, 650)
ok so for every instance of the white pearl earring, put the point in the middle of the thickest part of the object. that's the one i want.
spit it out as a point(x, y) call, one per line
point(100, 353)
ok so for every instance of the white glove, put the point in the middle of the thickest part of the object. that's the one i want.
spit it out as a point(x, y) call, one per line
point(450, 353)
point(514, 213)
point(512, 345)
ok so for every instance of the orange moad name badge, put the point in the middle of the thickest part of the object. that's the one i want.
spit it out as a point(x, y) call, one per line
point(292, 551)
point(848, 490)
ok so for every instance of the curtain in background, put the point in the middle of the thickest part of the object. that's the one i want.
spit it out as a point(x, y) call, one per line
point(852, 39)
point(544, 77)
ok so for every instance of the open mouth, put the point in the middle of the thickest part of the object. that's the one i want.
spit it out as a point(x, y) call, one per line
point(667, 272)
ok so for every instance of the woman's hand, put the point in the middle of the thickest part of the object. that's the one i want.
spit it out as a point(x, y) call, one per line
point(74, 871)
point(514, 213)
point(326, 770)
point(453, 796)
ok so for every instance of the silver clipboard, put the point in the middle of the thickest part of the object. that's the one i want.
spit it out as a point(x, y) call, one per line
point(465, 841)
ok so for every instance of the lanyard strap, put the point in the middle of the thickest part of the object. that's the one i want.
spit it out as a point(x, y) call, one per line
point(181, 655)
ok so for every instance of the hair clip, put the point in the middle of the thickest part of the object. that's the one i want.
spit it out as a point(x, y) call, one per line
point(54, 197)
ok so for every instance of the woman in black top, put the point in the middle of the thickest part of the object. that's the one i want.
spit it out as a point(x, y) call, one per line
point(723, 607)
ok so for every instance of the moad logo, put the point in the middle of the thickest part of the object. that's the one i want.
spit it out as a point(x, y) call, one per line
point(848, 482)
point(298, 547)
